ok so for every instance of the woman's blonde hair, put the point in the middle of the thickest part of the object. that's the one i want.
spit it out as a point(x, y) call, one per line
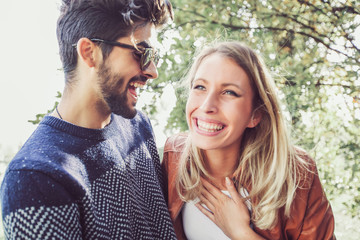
point(269, 160)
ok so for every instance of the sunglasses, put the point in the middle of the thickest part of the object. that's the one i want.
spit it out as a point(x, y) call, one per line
point(146, 55)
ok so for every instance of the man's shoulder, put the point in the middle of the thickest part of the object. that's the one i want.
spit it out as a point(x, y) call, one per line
point(42, 147)
point(142, 117)
point(47, 153)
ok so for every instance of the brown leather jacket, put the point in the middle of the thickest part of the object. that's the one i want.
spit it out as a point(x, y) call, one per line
point(311, 215)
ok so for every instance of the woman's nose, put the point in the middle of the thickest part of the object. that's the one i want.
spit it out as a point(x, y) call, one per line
point(210, 104)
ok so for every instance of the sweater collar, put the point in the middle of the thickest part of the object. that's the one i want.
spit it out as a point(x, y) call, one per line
point(82, 132)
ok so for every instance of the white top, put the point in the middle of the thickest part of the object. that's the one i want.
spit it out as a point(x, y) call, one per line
point(198, 226)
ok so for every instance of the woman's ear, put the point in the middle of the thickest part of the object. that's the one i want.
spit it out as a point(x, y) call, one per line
point(86, 50)
point(255, 118)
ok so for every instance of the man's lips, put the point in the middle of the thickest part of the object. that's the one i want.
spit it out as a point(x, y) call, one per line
point(135, 85)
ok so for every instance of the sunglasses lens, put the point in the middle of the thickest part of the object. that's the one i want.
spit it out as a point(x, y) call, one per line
point(148, 56)
point(156, 58)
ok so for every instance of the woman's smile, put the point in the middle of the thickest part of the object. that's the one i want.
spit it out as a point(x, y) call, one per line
point(208, 127)
point(219, 107)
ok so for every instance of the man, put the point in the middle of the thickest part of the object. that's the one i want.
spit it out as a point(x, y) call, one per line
point(91, 169)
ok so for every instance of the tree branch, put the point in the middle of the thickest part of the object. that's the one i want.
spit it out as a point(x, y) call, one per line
point(316, 39)
point(333, 85)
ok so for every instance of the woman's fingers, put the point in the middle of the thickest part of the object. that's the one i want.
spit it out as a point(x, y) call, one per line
point(229, 213)
point(211, 188)
point(232, 190)
point(212, 197)
point(207, 198)
point(205, 211)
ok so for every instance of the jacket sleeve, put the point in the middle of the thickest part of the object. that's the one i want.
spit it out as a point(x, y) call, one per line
point(165, 170)
point(172, 151)
point(318, 222)
point(169, 165)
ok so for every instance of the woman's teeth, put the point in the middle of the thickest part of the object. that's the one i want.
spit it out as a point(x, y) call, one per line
point(209, 127)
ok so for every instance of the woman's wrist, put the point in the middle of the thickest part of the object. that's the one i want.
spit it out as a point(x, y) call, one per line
point(246, 234)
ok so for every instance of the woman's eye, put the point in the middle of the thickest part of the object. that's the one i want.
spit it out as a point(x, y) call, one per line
point(231, 93)
point(199, 87)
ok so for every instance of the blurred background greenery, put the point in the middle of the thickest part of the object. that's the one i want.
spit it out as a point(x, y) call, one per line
point(312, 48)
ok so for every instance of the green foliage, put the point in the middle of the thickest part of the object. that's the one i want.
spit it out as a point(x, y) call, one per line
point(310, 48)
point(40, 116)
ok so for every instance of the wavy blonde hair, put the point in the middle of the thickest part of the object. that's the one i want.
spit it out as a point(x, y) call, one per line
point(272, 163)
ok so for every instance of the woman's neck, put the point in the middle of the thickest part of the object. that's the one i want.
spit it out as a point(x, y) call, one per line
point(221, 164)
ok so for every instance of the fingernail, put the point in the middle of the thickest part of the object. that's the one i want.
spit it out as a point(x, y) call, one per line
point(228, 182)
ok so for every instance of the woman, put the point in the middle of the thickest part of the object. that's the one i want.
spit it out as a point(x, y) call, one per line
point(237, 132)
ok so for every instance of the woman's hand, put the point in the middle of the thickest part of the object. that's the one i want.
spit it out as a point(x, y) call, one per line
point(230, 214)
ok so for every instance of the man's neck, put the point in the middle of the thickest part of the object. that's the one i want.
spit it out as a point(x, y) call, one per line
point(83, 109)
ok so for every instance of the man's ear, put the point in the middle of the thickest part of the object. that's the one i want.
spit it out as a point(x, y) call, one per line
point(86, 50)
point(255, 118)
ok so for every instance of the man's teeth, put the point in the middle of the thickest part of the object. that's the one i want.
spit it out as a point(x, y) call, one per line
point(209, 127)
point(137, 85)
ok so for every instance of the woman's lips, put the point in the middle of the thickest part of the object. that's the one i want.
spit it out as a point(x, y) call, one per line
point(206, 127)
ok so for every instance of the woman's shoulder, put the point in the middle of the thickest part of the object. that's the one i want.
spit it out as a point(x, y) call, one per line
point(306, 168)
point(304, 158)
point(310, 206)
point(175, 143)
point(173, 149)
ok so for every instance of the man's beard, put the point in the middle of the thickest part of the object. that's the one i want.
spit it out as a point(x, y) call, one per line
point(110, 85)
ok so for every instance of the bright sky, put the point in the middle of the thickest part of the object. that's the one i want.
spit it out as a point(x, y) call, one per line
point(29, 78)
point(29, 63)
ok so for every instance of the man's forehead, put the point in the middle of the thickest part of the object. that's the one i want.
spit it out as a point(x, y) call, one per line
point(145, 36)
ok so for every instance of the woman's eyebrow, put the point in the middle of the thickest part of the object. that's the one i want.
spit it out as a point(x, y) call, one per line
point(199, 79)
point(232, 84)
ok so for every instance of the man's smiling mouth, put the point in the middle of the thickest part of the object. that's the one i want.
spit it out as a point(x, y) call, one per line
point(133, 86)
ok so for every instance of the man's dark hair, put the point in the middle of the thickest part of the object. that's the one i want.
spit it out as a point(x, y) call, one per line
point(104, 19)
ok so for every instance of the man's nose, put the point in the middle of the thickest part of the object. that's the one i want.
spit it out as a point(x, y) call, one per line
point(151, 71)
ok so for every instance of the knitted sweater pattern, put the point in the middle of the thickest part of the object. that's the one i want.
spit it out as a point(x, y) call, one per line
point(69, 182)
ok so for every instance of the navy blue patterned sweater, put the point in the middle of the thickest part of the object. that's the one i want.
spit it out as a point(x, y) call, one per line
point(69, 182)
